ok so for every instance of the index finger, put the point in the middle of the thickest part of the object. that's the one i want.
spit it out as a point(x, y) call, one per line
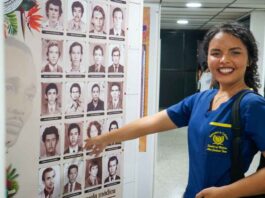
point(88, 143)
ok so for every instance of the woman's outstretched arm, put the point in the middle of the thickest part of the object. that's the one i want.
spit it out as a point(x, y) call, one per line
point(140, 127)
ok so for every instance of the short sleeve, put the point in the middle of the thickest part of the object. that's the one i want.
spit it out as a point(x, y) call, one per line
point(254, 117)
point(180, 113)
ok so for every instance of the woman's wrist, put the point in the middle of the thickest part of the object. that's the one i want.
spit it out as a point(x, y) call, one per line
point(228, 191)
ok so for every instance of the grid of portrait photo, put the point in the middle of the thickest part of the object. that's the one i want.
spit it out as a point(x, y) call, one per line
point(83, 75)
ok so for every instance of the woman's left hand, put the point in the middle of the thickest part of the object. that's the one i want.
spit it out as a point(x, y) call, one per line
point(213, 192)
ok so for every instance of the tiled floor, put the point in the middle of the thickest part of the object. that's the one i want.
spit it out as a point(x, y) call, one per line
point(171, 168)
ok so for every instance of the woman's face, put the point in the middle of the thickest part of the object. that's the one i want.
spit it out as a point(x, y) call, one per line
point(93, 131)
point(94, 171)
point(227, 59)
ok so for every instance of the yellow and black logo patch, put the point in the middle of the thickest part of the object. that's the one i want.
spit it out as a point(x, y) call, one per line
point(216, 144)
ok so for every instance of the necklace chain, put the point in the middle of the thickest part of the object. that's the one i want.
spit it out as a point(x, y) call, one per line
point(219, 98)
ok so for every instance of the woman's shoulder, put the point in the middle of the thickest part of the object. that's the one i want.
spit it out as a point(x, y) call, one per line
point(200, 97)
point(205, 94)
point(253, 103)
point(252, 110)
point(252, 98)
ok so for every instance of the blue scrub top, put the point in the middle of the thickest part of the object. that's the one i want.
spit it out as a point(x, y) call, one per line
point(210, 135)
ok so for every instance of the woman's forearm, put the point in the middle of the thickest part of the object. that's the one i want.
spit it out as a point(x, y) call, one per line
point(251, 185)
point(141, 127)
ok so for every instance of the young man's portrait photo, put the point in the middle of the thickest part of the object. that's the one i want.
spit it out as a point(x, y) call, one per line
point(116, 53)
point(73, 138)
point(52, 52)
point(75, 102)
point(49, 182)
point(73, 177)
point(97, 60)
point(115, 95)
point(53, 16)
point(112, 125)
point(113, 169)
point(117, 21)
point(50, 141)
point(75, 62)
point(96, 96)
point(51, 98)
point(93, 176)
point(77, 16)
point(98, 19)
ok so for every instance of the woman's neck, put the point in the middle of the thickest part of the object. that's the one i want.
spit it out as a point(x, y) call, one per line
point(231, 90)
point(225, 93)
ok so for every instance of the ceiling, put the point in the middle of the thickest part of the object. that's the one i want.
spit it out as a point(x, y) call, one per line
point(211, 13)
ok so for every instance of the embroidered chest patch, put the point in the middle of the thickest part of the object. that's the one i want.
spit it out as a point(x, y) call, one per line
point(217, 142)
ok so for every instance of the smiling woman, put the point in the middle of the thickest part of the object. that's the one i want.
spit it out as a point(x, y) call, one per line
point(232, 58)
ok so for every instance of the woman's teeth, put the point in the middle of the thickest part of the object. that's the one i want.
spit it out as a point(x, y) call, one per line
point(225, 70)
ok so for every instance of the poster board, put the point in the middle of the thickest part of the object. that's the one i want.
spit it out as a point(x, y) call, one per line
point(69, 87)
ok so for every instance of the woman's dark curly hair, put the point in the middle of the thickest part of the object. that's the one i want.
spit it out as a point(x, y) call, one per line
point(244, 34)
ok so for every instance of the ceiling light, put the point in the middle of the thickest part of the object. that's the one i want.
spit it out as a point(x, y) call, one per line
point(193, 5)
point(182, 21)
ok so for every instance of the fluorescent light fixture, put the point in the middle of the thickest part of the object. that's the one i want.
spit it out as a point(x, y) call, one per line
point(182, 21)
point(193, 5)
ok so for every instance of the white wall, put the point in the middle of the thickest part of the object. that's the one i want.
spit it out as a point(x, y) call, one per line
point(139, 167)
point(133, 88)
point(257, 26)
point(146, 161)
point(2, 108)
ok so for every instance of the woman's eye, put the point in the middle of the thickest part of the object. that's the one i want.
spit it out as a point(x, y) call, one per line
point(215, 54)
point(236, 52)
